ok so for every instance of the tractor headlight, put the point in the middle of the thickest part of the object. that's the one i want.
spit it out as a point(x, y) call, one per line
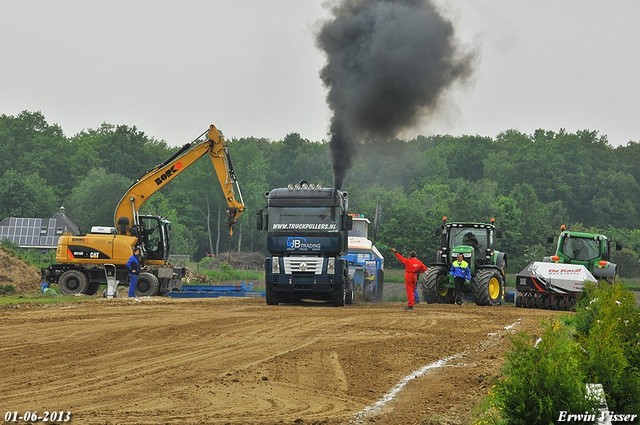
point(331, 265)
point(275, 265)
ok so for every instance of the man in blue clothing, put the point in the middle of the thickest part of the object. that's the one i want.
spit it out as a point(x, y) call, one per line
point(133, 265)
point(461, 272)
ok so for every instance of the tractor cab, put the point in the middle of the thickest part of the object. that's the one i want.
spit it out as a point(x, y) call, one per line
point(474, 240)
point(591, 250)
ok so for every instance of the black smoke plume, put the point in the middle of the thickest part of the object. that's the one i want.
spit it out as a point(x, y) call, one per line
point(388, 63)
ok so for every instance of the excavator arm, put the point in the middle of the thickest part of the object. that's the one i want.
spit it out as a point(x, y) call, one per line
point(126, 214)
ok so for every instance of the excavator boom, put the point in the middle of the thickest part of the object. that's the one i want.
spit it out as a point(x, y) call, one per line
point(126, 214)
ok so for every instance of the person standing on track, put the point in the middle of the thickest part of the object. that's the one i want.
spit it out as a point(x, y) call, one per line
point(412, 268)
point(461, 273)
point(133, 265)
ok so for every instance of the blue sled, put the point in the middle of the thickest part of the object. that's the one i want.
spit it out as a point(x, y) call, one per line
point(209, 291)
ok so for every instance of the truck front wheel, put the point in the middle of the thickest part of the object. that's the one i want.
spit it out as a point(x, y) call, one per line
point(339, 297)
point(271, 296)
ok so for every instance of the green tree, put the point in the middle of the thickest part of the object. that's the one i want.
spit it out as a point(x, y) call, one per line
point(93, 201)
point(253, 168)
point(542, 378)
point(614, 201)
point(608, 324)
point(29, 145)
point(119, 150)
point(26, 195)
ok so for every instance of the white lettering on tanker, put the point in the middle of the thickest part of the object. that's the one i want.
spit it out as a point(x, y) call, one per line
point(305, 226)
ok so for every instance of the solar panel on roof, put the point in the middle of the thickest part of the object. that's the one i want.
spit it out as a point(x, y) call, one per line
point(34, 232)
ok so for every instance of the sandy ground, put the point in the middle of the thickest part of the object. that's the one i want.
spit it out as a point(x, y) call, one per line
point(238, 361)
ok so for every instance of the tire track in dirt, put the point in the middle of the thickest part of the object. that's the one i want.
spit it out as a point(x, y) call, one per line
point(343, 385)
point(239, 361)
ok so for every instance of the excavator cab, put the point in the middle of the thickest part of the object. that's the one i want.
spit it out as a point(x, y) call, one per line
point(153, 237)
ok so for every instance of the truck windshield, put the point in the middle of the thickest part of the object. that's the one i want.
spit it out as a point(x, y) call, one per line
point(360, 229)
point(287, 219)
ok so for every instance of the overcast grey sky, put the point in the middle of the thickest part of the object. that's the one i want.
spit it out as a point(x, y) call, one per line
point(252, 67)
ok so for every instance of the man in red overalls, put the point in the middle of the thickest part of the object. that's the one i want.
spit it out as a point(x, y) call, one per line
point(412, 267)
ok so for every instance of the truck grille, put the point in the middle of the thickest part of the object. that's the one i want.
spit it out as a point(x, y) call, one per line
point(307, 265)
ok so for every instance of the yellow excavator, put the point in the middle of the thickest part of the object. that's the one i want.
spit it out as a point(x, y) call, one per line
point(83, 262)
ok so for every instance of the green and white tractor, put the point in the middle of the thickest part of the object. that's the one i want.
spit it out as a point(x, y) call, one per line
point(557, 281)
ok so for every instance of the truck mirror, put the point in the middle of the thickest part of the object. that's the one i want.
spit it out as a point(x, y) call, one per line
point(259, 220)
point(549, 239)
point(498, 233)
point(347, 222)
point(438, 231)
point(618, 246)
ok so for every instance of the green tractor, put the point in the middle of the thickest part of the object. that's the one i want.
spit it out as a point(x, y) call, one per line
point(488, 267)
point(591, 250)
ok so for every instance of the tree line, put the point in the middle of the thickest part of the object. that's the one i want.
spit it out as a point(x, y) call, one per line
point(530, 183)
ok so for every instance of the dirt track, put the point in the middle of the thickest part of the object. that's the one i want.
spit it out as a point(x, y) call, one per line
point(236, 361)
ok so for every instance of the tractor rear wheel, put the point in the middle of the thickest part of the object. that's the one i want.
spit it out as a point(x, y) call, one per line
point(488, 287)
point(433, 283)
point(73, 282)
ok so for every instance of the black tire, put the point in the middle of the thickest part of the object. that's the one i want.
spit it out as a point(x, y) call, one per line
point(530, 302)
point(147, 286)
point(433, 289)
point(92, 288)
point(339, 296)
point(351, 293)
point(271, 296)
point(380, 285)
point(488, 287)
point(73, 282)
point(562, 303)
